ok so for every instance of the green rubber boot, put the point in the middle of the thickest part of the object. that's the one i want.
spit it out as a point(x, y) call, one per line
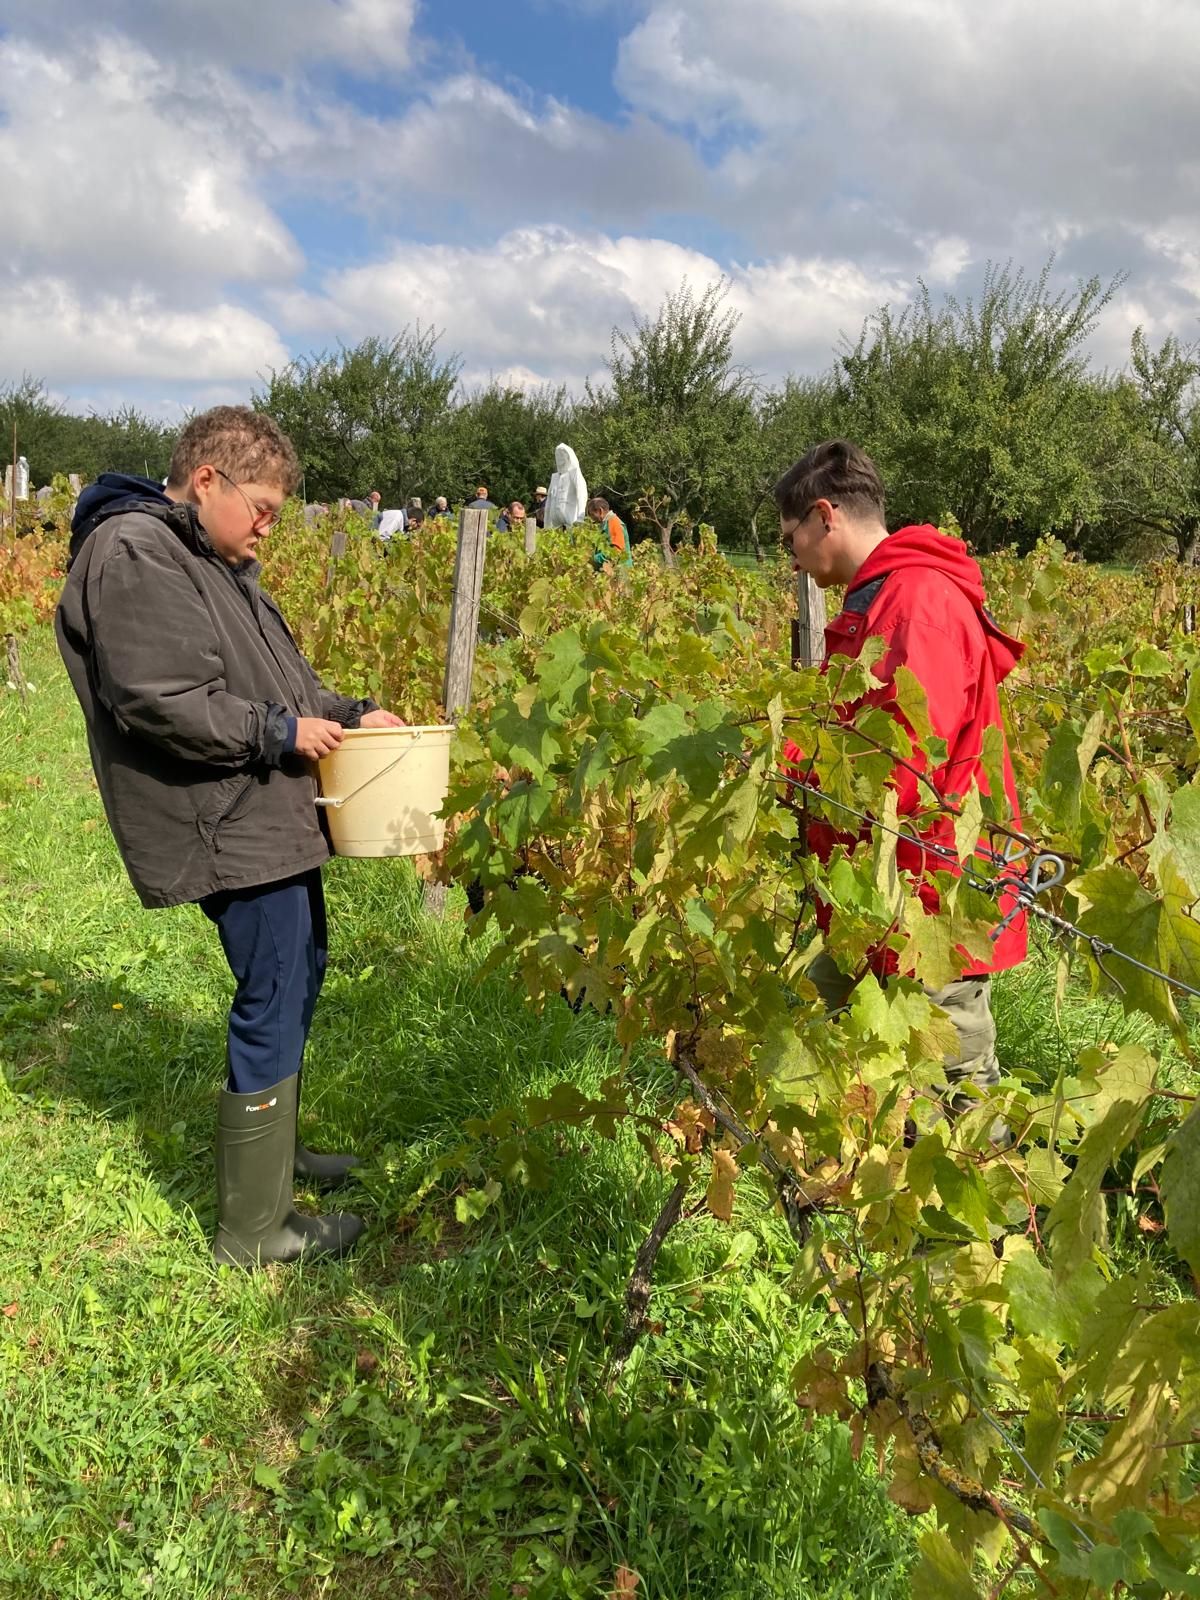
point(257, 1224)
point(317, 1170)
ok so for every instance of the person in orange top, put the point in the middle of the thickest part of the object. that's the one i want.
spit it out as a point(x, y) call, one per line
point(617, 546)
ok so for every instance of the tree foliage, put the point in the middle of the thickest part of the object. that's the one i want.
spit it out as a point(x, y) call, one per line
point(1152, 479)
point(979, 409)
point(54, 440)
point(511, 434)
point(667, 432)
point(983, 410)
point(379, 415)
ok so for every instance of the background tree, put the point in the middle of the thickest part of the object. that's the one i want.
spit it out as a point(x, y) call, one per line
point(1153, 480)
point(980, 409)
point(512, 434)
point(665, 434)
point(41, 423)
point(54, 440)
point(787, 422)
point(377, 416)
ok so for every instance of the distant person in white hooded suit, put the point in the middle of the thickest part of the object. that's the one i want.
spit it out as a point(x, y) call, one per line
point(568, 496)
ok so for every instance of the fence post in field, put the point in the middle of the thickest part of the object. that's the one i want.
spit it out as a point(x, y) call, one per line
point(16, 673)
point(1189, 618)
point(531, 533)
point(464, 635)
point(808, 630)
point(337, 549)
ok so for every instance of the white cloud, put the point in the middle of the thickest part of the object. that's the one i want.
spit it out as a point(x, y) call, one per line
point(49, 328)
point(542, 301)
point(115, 169)
point(838, 153)
point(997, 123)
point(373, 37)
point(472, 154)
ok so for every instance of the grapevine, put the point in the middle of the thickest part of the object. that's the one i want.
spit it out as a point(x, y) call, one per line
point(617, 797)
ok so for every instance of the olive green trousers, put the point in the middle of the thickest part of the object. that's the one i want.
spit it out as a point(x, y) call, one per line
point(968, 1004)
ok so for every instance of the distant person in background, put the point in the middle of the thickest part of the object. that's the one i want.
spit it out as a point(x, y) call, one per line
point(566, 502)
point(539, 505)
point(440, 507)
point(359, 506)
point(614, 540)
point(374, 499)
point(513, 513)
point(481, 501)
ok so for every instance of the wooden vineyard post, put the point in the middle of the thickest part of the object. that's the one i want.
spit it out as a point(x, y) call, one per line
point(337, 549)
point(15, 672)
point(808, 630)
point(464, 635)
point(10, 485)
point(531, 533)
point(464, 611)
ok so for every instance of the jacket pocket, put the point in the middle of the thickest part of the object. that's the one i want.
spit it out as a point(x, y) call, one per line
point(222, 803)
point(844, 635)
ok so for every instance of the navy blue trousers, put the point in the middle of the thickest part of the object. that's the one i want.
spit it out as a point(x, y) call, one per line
point(275, 939)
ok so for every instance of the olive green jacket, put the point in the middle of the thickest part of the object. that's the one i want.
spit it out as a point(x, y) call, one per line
point(187, 674)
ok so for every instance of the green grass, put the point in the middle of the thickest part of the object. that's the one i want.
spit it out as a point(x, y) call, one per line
point(746, 559)
point(428, 1418)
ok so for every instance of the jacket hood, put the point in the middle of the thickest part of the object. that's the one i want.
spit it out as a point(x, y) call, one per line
point(923, 545)
point(113, 492)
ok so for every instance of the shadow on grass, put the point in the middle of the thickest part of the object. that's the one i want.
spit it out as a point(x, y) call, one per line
point(398, 1062)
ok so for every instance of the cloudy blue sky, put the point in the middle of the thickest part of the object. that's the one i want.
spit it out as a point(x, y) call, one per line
point(191, 192)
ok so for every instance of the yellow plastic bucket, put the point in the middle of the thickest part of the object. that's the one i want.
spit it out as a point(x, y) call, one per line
point(381, 787)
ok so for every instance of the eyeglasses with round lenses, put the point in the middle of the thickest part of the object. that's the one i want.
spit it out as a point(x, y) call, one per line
point(261, 516)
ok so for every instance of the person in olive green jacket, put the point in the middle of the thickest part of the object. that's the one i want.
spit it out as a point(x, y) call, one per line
point(203, 722)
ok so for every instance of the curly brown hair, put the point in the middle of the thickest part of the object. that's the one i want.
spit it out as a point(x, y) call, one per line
point(248, 445)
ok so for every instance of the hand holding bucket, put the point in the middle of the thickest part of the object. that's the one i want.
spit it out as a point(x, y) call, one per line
point(381, 789)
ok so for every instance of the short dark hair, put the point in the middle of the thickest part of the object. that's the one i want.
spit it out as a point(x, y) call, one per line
point(597, 506)
point(835, 470)
point(247, 445)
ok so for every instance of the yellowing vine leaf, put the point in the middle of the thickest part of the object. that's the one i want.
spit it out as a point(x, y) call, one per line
point(718, 1197)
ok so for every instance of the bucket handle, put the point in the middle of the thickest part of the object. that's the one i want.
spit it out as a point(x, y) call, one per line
point(321, 800)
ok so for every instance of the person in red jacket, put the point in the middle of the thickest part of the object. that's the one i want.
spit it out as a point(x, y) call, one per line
point(920, 592)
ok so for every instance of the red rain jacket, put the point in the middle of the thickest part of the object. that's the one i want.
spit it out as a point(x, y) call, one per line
point(923, 595)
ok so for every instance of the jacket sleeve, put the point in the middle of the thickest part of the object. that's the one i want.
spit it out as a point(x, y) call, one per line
point(339, 708)
point(158, 666)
